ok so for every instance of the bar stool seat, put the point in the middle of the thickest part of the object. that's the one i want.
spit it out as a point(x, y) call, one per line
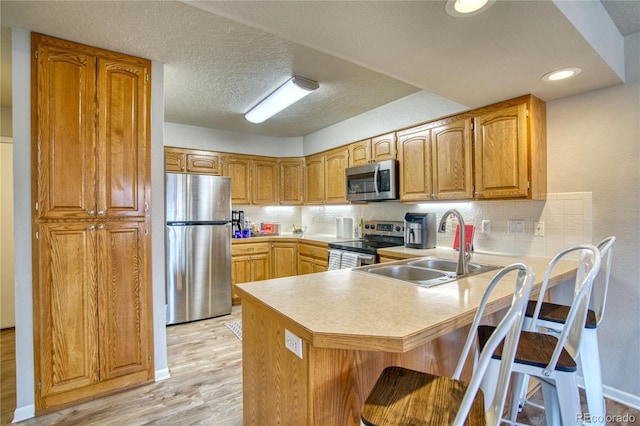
point(557, 314)
point(418, 399)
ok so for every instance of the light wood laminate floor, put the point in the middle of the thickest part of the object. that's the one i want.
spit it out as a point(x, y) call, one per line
point(205, 387)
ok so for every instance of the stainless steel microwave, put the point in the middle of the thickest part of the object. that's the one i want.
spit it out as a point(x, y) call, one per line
point(373, 182)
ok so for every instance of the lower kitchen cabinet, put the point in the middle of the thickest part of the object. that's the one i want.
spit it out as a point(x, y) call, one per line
point(312, 257)
point(284, 259)
point(92, 306)
point(249, 262)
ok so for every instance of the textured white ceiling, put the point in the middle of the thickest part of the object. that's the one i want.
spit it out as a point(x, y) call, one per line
point(223, 57)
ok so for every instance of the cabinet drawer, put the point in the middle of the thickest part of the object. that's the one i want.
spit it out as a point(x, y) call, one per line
point(313, 251)
point(243, 249)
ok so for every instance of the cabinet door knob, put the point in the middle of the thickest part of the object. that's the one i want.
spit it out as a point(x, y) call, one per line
point(91, 227)
point(100, 226)
point(91, 212)
point(100, 212)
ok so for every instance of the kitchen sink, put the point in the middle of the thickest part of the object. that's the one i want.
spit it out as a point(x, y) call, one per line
point(450, 266)
point(425, 272)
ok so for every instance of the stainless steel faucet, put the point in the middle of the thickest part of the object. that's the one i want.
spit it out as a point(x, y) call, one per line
point(463, 255)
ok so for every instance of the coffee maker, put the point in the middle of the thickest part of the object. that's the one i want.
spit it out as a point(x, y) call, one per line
point(420, 230)
point(237, 220)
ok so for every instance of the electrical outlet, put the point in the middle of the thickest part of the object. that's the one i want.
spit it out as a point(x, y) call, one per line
point(293, 343)
point(454, 224)
point(486, 227)
point(538, 229)
point(516, 226)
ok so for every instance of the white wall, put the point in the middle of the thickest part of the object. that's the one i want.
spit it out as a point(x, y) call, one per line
point(183, 136)
point(593, 143)
point(21, 91)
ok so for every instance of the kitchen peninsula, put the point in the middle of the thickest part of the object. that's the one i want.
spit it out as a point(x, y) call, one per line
point(352, 325)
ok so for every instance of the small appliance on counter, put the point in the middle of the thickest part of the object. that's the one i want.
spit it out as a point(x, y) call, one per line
point(420, 230)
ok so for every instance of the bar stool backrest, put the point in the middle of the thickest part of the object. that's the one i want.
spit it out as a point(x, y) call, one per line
point(601, 282)
point(508, 330)
point(589, 261)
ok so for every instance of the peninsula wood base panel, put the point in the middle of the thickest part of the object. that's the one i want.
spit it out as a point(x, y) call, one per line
point(327, 386)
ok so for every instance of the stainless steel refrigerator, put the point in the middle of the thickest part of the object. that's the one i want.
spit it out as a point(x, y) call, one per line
point(198, 246)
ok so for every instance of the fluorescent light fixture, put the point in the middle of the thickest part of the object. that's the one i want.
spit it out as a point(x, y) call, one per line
point(291, 91)
point(561, 74)
point(460, 8)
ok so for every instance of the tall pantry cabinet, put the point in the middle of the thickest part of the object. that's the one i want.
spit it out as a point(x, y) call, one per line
point(92, 316)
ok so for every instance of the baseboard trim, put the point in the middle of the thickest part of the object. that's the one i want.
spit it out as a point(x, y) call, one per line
point(24, 413)
point(162, 374)
point(625, 398)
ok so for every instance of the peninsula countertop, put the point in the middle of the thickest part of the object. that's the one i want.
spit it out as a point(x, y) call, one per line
point(349, 309)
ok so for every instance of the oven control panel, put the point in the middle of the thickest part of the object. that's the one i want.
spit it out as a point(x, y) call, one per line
point(383, 227)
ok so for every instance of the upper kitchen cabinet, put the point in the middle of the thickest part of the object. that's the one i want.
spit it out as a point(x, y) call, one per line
point(314, 179)
point(179, 160)
point(436, 161)
point(451, 160)
point(511, 150)
point(238, 168)
point(336, 161)
point(325, 181)
point(373, 150)
point(415, 158)
point(266, 182)
point(91, 132)
point(292, 181)
point(254, 180)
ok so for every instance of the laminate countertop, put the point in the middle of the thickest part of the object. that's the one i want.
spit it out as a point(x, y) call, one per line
point(350, 309)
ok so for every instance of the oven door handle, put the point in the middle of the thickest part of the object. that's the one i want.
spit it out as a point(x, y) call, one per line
point(375, 179)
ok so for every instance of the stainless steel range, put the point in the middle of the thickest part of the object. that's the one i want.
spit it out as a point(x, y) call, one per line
point(375, 235)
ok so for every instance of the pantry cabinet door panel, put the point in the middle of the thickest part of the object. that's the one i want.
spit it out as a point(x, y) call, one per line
point(64, 117)
point(123, 93)
point(66, 309)
point(124, 300)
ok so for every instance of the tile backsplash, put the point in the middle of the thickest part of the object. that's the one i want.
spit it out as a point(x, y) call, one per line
point(567, 220)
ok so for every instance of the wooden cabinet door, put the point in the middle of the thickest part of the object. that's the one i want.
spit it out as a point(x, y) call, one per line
point(123, 301)
point(292, 182)
point(501, 153)
point(266, 182)
point(451, 152)
point(314, 180)
point(360, 153)
point(414, 154)
point(65, 312)
point(239, 170)
point(203, 163)
point(336, 161)
point(260, 267)
point(175, 161)
point(123, 128)
point(383, 147)
point(240, 273)
point(64, 108)
point(284, 258)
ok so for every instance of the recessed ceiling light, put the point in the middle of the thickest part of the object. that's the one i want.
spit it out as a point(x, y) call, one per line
point(460, 8)
point(561, 74)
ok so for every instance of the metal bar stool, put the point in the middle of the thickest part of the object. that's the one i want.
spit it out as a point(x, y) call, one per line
point(552, 317)
point(548, 358)
point(407, 397)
